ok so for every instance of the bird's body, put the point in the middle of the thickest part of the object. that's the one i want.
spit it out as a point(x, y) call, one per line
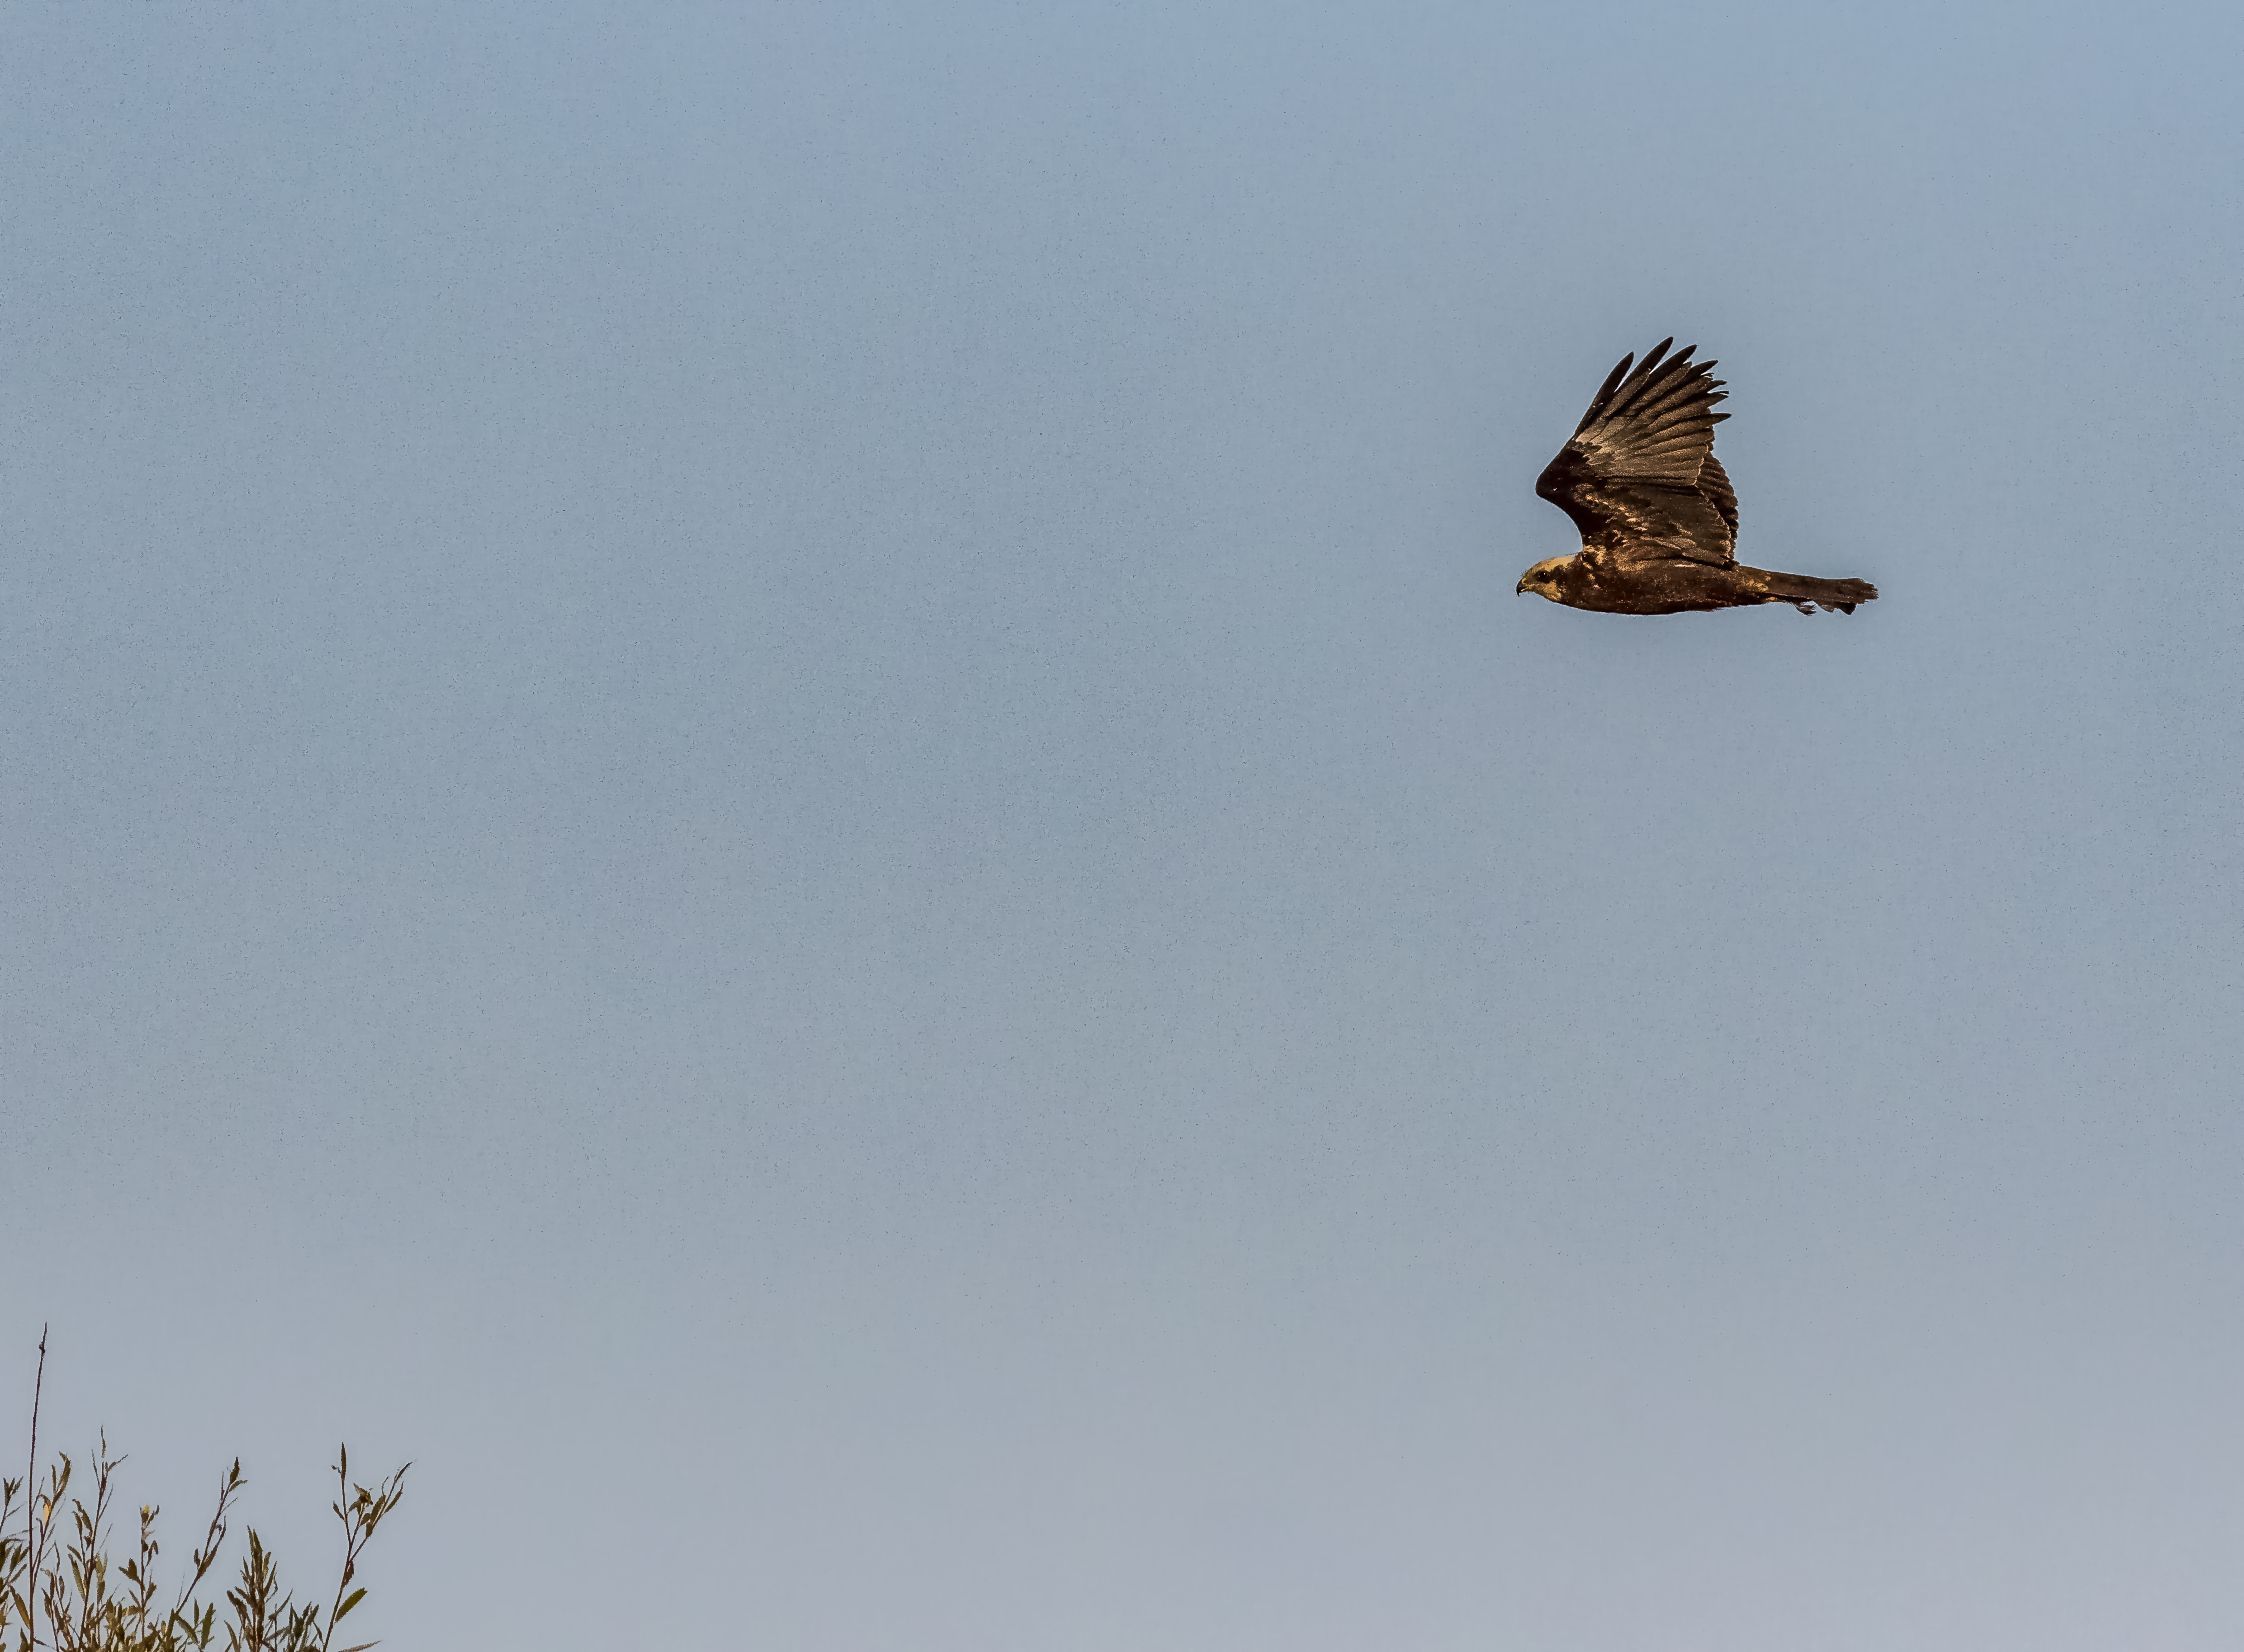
point(1658, 516)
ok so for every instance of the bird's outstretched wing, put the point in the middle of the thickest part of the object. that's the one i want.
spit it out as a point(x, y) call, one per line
point(1639, 476)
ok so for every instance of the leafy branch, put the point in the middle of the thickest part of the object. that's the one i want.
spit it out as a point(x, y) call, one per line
point(85, 1601)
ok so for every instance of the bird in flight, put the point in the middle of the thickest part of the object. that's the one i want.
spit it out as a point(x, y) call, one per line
point(1658, 514)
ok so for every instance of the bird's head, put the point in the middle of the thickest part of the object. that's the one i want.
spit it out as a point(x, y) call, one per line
point(1547, 578)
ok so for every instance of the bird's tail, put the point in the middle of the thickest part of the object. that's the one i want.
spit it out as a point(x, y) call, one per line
point(1807, 593)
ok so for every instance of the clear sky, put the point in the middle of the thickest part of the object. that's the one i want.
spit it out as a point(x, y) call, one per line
point(770, 781)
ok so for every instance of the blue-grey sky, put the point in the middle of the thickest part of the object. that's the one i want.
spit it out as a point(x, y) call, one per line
point(770, 781)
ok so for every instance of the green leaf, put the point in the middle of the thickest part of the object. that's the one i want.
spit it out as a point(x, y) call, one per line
point(343, 1611)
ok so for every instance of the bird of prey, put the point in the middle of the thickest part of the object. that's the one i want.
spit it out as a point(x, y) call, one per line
point(1658, 514)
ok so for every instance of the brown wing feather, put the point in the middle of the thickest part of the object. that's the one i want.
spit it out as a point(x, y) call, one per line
point(1714, 486)
point(1633, 476)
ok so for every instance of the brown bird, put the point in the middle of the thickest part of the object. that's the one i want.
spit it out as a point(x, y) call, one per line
point(1658, 514)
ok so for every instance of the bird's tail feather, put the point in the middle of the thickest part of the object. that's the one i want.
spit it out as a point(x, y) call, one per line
point(1807, 593)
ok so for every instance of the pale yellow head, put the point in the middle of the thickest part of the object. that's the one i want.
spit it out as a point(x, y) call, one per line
point(1545, 578)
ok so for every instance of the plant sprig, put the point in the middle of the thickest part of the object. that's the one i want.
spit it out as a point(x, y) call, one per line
point(86, 1602)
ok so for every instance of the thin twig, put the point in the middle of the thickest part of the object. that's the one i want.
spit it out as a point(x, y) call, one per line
point(213, 1539)
point(31, 1487)
point(350, 1553)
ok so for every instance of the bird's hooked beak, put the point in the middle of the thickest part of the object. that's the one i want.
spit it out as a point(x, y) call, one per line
point(1520, 590)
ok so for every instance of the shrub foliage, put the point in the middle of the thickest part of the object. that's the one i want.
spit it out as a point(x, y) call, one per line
point(62, 1590)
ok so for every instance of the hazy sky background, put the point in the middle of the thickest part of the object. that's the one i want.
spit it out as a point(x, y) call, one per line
point(770, 781)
